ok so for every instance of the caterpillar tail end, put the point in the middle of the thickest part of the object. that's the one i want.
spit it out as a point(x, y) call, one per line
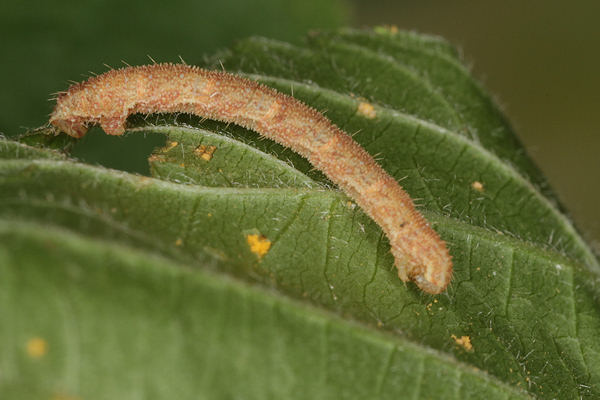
point(432, 278)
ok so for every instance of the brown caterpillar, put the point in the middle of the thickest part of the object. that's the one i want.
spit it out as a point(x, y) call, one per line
point(108, 100)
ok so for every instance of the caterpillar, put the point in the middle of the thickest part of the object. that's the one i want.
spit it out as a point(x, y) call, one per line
point(108, 99)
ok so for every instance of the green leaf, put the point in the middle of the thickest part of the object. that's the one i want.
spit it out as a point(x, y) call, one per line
point(201, 157)
point(118, 323)
point(522, 306)
point(15, 150)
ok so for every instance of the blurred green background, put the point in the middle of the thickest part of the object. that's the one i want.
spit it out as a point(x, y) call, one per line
point(540, 59)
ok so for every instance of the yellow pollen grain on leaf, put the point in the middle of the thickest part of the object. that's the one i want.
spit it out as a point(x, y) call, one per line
point(463, 341)
point(259, 244)
point(37, 347)
point(170, 145)
point(367, 110)
point(478, 186)
point(179, 242)
point(205, 152)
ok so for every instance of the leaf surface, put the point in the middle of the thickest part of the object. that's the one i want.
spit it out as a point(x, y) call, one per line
point(179, 332)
